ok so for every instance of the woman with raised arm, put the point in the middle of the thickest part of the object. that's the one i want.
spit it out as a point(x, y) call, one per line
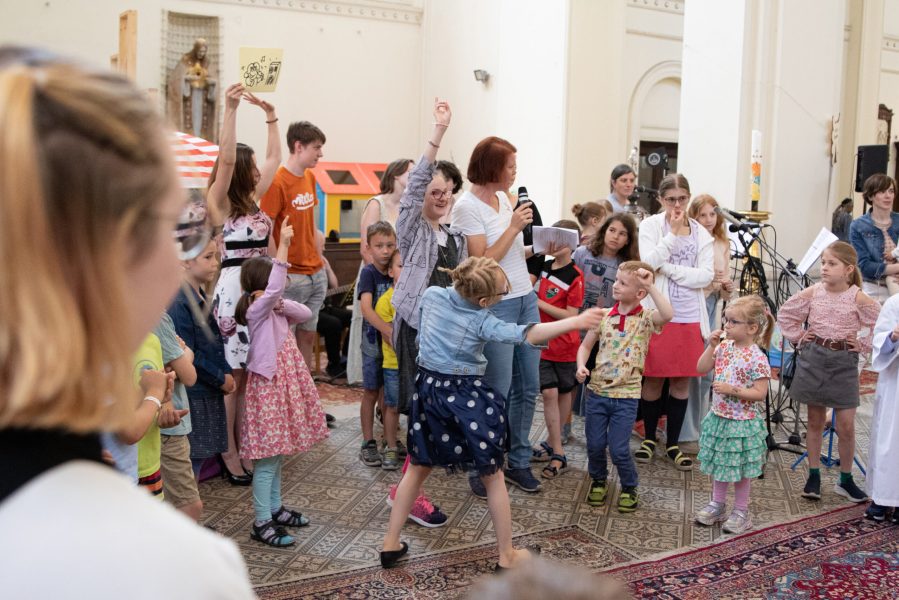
point(235, 186)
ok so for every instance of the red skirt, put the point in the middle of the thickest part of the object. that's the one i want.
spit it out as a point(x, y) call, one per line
point(675, 351)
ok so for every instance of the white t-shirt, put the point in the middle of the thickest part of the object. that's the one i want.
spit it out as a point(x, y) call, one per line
point(82, 530)
point(473, 217)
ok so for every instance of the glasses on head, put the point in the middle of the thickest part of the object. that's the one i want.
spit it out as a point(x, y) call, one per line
point(727, 321)
point(437, 194)
point(679, 200)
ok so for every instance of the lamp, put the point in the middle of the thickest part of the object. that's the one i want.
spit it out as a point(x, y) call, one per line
point(481, 75)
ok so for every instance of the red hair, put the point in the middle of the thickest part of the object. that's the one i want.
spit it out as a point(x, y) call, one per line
point(488, 159)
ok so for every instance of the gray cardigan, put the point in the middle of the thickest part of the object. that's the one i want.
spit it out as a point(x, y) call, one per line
point(417, 241)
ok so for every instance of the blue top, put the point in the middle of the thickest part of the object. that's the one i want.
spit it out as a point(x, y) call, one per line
point(209, 355)
point(372, 281)
point(867, 239)
point(454, 331)
point(171, 350)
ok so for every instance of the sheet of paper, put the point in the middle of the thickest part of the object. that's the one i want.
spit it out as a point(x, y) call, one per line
point(544, 236)
point(260, 68)
point(824, 239)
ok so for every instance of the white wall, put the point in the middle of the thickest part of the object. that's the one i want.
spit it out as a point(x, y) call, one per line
point(356, 78)
point(522, 44)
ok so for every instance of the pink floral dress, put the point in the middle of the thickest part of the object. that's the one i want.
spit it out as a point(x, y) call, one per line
point(243, 237)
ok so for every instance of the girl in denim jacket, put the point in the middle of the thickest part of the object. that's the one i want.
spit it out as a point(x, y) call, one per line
point(457, 420)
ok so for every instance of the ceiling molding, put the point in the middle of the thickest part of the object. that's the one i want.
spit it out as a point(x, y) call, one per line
point(669, 6)
point(891, 43)
point(397, 11)
point(656, 34)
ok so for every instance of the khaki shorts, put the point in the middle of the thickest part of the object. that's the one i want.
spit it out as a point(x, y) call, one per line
point(308, 290)
point(177, 475)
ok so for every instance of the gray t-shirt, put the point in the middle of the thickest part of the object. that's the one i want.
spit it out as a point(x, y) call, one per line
point(171, 350)
point(599, 275)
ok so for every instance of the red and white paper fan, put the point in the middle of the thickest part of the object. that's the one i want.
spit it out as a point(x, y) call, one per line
point(194, 158)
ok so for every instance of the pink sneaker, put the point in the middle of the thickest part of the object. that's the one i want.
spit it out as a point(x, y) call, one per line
point(423, 510)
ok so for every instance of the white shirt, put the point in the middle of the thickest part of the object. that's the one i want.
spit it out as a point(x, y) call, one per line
point(82, 530)
point(473, 217)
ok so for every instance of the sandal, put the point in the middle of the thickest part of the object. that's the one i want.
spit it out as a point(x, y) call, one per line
point(682, 462)
point(290, 518)
point(273, 535)
point(645, 452)
point(551, 472)
point(542, 452)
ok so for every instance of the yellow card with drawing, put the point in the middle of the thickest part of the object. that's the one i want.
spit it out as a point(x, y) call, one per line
point(260, 68)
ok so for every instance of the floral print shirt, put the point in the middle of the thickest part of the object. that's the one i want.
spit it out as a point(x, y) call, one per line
point(741, 368)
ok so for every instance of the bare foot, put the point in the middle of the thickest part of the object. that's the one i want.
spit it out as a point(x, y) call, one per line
point(518, 557)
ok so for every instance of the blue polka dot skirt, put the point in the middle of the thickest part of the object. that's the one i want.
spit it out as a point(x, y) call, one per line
point(457, 422)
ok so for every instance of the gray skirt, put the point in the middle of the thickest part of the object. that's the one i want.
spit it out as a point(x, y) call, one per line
point(826, 377)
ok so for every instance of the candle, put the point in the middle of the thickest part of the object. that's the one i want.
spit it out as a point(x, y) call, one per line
point(755, 188)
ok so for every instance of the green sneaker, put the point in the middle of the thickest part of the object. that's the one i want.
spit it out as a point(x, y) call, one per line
point(598, 492)
point(627, 501)
point(390, 460)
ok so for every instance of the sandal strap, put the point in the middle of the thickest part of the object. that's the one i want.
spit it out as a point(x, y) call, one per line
point(545, 445)
point(679, 458)
point(272, 534)
point(287, 516)
point(561, 458)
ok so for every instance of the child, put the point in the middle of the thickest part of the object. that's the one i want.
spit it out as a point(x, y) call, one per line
point(209, 424)
point(613, 394)
point(373, 282)
point(458, 420)
point(384, 309)
point(828, 349)
point(282, 411)
point(732, 437)
point(883, 469)
point(560, 294)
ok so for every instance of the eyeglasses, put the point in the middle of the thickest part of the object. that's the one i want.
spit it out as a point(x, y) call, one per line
point(726, 321)
point(680, 200)
point(437, 194)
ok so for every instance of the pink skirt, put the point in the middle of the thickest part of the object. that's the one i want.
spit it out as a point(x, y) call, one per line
point(675, 351)
point(282, 415)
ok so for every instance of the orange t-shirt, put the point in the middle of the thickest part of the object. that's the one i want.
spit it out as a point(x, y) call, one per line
point(294, 197)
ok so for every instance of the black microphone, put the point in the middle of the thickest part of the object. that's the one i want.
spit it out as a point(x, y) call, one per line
point(742, 227)
point(523, 196)
point(528, 231)
point(735, 217)
point(642, 189)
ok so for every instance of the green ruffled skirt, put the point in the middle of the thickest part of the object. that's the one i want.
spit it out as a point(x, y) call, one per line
point(731, 450)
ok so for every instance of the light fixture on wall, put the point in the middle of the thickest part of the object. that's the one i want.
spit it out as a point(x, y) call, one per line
point(481, 75)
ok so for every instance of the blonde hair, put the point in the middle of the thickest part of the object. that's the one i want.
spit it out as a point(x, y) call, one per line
point(756, 312)
point(476, 278)
point(847, 255)
point(589, 210)
point(719, 231)
point(83, 161)
point(632, 266)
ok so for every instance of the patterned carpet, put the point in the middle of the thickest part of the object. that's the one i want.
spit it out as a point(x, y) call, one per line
point(836, 555)
point(345, 500)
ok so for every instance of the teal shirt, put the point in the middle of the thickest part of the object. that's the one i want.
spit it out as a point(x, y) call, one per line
point(171, 350)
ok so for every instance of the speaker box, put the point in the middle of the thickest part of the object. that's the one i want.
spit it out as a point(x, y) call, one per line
point(871, 160)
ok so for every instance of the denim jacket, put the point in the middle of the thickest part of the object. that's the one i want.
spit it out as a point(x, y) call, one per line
point(209, 355)
point(867, 240)
point(417, 242)
point(454, 331)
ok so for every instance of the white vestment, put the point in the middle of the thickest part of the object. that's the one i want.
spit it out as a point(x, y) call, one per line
point(883, 455)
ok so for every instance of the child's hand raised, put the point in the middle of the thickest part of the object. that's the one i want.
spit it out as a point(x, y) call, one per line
point(644, 277)
point(582, 374)
point(715, 337)
point(286, 232)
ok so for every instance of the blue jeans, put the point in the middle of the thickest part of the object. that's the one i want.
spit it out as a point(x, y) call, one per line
point(267, 487)
point(609, 424)
point(515, 372)
point(391, 387)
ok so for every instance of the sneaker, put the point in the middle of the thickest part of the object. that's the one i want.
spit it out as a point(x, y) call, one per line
point(401, 450)
point(598, 491)
point(738, 522)
point(895, 518)
point(523, 478)
point(812, 489)
point(876, 512)
point(627, 501)
point(477, 487)
point(711, 514)
point(369, 455)
point(427, 514)
point(850, 491)
point(390, 461)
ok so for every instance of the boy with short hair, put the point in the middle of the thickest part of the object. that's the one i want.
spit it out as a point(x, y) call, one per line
point(613, 393)
point(384, 309)
point(292, 194)
point(560, 294)
point(374, 281)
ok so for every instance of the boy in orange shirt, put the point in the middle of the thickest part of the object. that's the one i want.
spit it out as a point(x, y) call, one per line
point(292, 194)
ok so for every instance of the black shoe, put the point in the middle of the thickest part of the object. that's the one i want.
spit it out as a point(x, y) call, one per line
point(876, 512)
point(812, 489)
point(894, 519)
point(477, 487)
point(330, 421)
point(850, 491)
point(389, 558)
point(523, 478)
point(241, 480)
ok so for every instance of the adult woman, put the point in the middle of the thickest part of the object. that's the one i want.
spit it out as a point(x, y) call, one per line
point(702, 210)
point(90, 199)
point(874, 235)
point(621, 185)
point(492, 227)
point(235, 185)
point(682, 253)
point(383, 207)
point(590, 216)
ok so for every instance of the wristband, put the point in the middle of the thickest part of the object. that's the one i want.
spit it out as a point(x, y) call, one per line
point(440, 125)
point(275, 120)
point(433, 144)
point(154, 400)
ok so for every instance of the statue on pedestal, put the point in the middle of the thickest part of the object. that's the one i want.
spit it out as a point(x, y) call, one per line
point(191, 100)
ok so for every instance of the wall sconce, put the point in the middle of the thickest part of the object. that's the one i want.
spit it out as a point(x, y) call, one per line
point(481, 75)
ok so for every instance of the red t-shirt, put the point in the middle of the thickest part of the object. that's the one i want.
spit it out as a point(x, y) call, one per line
point(294, 197)
point(562, 288)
